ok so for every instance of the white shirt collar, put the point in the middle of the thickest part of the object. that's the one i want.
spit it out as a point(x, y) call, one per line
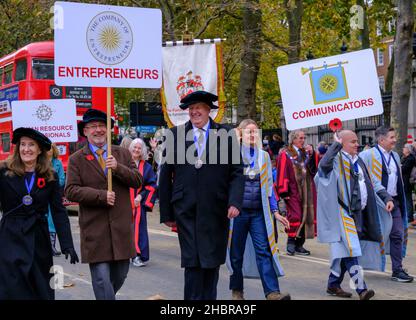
point(205, 128)
point(384, 150)
point(350, 157)
point(296, 148)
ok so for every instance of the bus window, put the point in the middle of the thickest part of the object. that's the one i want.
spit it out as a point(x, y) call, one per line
point(21, 70)
point(43, 69)
point(1, 76)
point(5, 142)
point(8, 70)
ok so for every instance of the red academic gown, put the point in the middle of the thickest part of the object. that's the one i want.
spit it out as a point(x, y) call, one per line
point(286, 186)
point(149, 194)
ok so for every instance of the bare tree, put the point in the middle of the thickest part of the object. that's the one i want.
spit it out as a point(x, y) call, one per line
point(402, 69)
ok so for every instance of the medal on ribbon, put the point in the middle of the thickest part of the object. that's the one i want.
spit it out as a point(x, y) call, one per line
point(198, 163)
point(27, 200)
point(251, 174)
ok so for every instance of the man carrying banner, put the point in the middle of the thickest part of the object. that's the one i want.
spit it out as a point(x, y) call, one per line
point(104, 216)
point(201, 193)
point(384, 165)
point(296, 167)
point(349, 214)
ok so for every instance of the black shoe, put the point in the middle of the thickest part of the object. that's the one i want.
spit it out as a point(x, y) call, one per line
point(290, 248)
point(302, 251)
point(338, 292)
point(290, 251)
point(401, 276)
point(367, 294)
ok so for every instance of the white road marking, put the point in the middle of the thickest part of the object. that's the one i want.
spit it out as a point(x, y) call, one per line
point(163, 233)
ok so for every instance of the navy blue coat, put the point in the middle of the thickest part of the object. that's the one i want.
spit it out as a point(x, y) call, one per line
point(25, 247)
point(198, 200)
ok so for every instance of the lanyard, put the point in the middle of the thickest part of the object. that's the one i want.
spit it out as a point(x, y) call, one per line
point(351, 161)
point(387, 163)
point(196, 141)
point(248, 157)
point(356, 166)
point(29, 185)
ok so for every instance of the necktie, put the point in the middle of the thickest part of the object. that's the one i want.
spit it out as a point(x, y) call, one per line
point(101, 161)
point(200, 141)
point(355, 188)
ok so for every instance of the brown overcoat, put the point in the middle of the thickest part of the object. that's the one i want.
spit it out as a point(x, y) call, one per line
point(106, 231)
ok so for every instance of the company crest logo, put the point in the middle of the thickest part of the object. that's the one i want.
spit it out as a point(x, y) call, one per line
point(109, 38)
point(328, 82)
point(188, 84)
point(44, 112)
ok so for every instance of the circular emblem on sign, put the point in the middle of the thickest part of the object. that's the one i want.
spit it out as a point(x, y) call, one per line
point(44, 112)
point(109, 38)
point(56, 92)
point(328, 83)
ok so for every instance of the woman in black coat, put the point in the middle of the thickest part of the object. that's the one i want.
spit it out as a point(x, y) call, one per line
point(28, 185)
point(408, 163)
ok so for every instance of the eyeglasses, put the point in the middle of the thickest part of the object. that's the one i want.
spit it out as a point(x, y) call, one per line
point(97, 126)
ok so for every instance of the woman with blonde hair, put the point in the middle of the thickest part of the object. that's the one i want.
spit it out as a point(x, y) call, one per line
point(28, 186)
point(257, 218)
point(143, 200)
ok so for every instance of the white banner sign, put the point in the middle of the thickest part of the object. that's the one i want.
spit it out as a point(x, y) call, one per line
point(345, 86)
point(187, 69)
point(56, 118)
point(107, 46)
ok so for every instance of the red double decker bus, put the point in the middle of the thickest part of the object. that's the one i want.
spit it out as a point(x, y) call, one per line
point(28, 74)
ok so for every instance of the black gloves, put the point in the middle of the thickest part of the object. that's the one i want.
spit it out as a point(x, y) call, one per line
point(72, 253)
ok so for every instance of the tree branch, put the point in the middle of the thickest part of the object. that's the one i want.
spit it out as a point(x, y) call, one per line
point(228, 13)
point(274, 44)
point(205, 26)
point(168, 13)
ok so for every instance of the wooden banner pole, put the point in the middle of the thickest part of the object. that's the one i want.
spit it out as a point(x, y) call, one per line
point(109, 173)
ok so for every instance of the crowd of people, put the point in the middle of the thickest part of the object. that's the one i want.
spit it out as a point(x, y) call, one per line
point(224, 211)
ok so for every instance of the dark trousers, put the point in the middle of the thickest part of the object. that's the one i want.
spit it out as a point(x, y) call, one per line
point(396, 238)
point(297, 242)
point(253, 223)
point(201, 284)
point(351, 265)
point(409, 204)
point(143, 237)
point(108, 277)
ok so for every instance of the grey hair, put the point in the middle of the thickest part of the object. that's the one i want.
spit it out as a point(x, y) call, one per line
point(125, 142)
point(145, 155)
point(293, 135)
point(410, 147)
point(382, 132)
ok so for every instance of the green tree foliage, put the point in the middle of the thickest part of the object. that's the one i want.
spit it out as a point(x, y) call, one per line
point(320, 28)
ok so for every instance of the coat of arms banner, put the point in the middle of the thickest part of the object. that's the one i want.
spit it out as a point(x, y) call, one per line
point(189, 68)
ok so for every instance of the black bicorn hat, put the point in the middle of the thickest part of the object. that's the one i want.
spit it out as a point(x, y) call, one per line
point(44, 142)
point(199, 96)
point(90, 116)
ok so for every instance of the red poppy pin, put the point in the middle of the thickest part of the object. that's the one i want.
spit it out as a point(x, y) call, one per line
point(335, 124)
point(90, 157)
point(41, 183)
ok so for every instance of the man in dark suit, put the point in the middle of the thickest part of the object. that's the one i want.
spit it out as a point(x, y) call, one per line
point(201, 192)
point(104, 216)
